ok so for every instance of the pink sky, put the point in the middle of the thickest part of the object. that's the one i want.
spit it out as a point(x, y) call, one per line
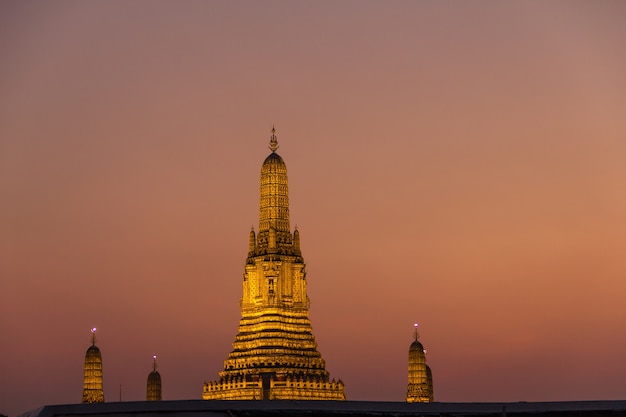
point(457, 164)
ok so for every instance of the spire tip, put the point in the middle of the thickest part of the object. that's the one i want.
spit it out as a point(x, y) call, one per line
point(273, 141)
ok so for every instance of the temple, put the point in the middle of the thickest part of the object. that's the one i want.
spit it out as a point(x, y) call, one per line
point(274, 354)
point(420, 386)
point(92, 382)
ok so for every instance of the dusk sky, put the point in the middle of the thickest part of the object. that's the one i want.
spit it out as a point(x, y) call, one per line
point(457, 164)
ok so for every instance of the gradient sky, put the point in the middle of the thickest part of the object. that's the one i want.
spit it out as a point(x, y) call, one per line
point(457, 164)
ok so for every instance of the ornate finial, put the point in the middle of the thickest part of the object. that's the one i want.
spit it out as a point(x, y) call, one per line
point(93, 336)
point(273, 141)
point(417, 335)
point(154, 365)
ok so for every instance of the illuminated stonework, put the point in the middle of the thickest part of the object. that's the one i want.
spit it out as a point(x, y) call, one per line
point(153, 391)
point(420, 387)
point(274, 354)
point(92, 383)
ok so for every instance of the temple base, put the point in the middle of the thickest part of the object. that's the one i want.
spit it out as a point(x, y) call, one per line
point(273, 387)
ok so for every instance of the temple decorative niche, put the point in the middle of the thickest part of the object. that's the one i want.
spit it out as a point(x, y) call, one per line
point(274, 354)
point(420, 386)
point(92, 382)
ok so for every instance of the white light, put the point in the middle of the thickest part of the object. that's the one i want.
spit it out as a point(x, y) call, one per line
point(154, 357)
point(93, 330)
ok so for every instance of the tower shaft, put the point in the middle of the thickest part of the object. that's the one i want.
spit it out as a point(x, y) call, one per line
point(153, 387)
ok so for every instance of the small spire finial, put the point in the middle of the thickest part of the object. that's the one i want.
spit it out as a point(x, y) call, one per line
point(154, 365)
point(417, 335)
point(93, 336)
point(273, 141)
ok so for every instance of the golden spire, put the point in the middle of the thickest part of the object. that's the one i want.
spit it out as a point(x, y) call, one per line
point(153, 391)
point(420, 381)
point(274, 201)
point(273, 141)
point(92, 383)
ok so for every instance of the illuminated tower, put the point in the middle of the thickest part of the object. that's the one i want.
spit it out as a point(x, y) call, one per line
point(420, 388)
point(274, 354)
point(92, 383)
point(153, 392)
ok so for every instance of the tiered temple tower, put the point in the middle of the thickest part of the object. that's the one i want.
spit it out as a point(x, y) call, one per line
point(92, 385)
point(274, 354)
point(153, 391)
point(420, 387)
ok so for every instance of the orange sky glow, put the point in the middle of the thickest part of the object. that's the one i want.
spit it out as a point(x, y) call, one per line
point(457, 164)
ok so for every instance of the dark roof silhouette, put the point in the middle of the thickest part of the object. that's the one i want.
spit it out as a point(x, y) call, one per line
point(201, 408)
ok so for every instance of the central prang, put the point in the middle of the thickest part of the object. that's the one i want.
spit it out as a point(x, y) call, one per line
point(274, 355)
